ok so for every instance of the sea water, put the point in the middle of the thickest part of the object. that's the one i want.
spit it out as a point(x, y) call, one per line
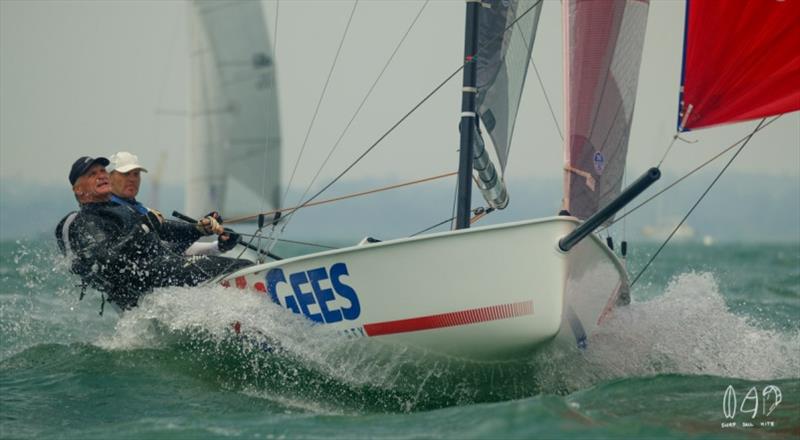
point(708, 348)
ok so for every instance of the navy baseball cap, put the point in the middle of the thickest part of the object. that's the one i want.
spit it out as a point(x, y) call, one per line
point(82, 165)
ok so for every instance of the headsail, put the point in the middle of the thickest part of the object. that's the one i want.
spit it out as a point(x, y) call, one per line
point(741, 61)
point(502, 66)
point(233, 156)
point(603, 43)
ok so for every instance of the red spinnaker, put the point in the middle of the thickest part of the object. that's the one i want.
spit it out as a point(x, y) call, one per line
point(741, 61)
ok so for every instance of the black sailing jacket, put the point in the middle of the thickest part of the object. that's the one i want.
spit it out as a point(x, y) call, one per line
point(125, 254)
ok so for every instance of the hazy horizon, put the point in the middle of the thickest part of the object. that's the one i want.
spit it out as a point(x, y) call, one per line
point(741, 207)
point(92, 77)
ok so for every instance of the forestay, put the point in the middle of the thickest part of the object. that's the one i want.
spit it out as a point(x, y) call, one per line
point(233, 160)
point(603, 52)
point(741, 61)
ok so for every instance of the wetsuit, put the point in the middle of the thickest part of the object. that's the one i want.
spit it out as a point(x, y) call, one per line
point(126, 254)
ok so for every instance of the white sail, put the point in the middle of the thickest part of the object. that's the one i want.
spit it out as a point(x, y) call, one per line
point(233, 157)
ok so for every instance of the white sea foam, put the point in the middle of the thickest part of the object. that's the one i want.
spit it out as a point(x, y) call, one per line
point(403, 376)
point(690, 329)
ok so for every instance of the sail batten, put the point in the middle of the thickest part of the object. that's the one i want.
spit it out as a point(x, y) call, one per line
point(603, 49)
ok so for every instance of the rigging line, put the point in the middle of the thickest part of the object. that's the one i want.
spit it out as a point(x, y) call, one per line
point(413, 109)
point(259, 234)
point(547, 99)
point(455, 203)
point(306, 243)
point(478, 214)
point(363, 101)
point(541, 85)
point(669, 148)
point(319, 102)
point(433, 227)
point(375, 144)
point(267, 142)
point(336, 199)
point(168, 69)
point(744, 144)
point(275, 32)
point(744, 139)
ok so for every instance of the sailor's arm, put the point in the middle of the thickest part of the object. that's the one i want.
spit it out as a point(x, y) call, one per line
point(182, 235)
point(179, 232)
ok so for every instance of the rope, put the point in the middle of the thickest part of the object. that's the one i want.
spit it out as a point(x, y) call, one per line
point(750, 136)
point(309, 201)
point(541, 85)
point(319, 102)
point(305, 243)
point(479, 213)
point(669, 148)
point(266, 144)
point(676, 137)
point(413, 109)
point(336, 199)
point(364, 100)
point(455, 204)
point(547, 99)
point(744, 139)
point(433, 227)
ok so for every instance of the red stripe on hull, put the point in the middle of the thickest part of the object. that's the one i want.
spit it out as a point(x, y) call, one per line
point(452, 319)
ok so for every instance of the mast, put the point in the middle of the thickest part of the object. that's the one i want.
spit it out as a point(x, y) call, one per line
point(468, 115)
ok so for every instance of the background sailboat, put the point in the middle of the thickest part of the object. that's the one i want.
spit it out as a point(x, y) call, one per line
point(233, 155)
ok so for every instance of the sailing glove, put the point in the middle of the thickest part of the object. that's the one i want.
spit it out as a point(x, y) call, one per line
point(215, 215)
point(230, 243)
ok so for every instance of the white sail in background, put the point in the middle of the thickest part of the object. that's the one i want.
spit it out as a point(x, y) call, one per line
point(233, 157)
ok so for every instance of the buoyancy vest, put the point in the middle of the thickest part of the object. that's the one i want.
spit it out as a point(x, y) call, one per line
point(133, 203)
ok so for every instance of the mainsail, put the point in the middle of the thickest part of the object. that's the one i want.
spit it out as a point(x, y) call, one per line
point(233, 157)
point(603, 51)
point(741, 61)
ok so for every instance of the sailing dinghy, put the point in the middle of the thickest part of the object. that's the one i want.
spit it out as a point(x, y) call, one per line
point(503, 291)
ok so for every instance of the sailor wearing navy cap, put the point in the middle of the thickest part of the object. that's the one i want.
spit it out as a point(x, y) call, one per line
point(124, 253)
point(89, 179)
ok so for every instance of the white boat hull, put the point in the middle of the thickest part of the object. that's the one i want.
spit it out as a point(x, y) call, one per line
point(483, 293)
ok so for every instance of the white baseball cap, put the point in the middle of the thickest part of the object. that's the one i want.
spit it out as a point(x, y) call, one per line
point(125, 162)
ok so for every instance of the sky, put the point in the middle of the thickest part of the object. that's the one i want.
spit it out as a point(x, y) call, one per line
point(95, 77)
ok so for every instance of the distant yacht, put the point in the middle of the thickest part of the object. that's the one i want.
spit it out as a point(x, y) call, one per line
point(661, 231)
